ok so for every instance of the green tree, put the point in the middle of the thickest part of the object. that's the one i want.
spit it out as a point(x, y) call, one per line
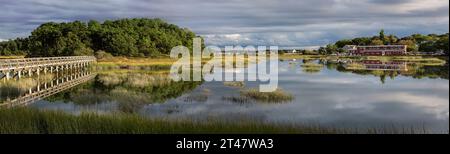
point(124, 37)
point(322, 51)
point(342, 43)
point(382, 37)
point(392, 39)
point(442, 43)
point(411, 45)
point(331, 48)
point(376, 42)
point(361, 41)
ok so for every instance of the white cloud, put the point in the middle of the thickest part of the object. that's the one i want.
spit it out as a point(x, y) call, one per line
point(284, 23)
point(419, 5)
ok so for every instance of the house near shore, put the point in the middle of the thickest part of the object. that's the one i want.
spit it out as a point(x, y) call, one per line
point(376, 50)
point(287, 51)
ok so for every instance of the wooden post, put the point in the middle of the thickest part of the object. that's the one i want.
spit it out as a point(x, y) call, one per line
point(8, 75)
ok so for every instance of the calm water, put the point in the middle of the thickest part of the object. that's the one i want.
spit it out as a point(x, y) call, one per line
point(330, 93)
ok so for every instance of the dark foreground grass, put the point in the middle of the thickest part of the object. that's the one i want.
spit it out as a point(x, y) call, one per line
point(33, 121)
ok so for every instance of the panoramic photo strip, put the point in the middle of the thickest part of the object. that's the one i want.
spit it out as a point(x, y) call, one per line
point(224, 76)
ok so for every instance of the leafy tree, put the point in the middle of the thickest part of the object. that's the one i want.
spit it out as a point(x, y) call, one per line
point(382, 37)
point(361, 41)
point(427, 47)
point(124, 37)
point(392, 39)
point(411, 45)
point(331, 48)
point(322, 51)
point(376, 42)
point(342, 43)
point(442, 43)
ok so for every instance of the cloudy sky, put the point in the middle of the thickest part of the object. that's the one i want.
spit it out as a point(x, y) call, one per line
point(286, 23)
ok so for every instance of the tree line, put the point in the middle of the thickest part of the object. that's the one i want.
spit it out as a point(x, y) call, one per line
point(415, 43)
point(137, 37)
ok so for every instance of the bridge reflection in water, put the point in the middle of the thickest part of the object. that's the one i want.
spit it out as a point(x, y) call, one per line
point(377, 65)
point(61, 82)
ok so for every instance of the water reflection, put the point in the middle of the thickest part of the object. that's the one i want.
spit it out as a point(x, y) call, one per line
point(391, 69)
point(127, 91)
point(377, 65)
point(26, 91)
point(342, 93)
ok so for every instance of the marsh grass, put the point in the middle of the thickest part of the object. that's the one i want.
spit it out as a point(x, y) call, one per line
point(129, 101)
point(33, 121)
point(154, 64)
point(11, 57)
point(311, 67)
point(133, 67)
point(15, 87)
point(238, 84)
point(144, 80)
point(162, 63)
point(199, 96)
point(277, 96)
point(237, 99)
point(131, 79)
point(196, 98)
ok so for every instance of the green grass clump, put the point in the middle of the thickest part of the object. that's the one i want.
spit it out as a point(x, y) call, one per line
point(277, 96)
point(33, 121)
point(237, 99)
point(196, 98)
point(234, 83)
point(311, 67)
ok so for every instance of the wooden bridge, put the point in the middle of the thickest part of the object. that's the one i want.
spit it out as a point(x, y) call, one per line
point(11, 68)
point(49, 88)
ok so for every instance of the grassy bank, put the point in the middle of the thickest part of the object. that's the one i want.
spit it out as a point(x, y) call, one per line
point(161, 63)
point(22, 120)
point(11, 57)
point(33, 121)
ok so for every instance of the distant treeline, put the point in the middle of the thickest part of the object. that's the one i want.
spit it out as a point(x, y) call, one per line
point(125, 37)
point(415, 43)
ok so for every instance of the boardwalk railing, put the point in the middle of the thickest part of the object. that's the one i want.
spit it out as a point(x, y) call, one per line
point(17, 67)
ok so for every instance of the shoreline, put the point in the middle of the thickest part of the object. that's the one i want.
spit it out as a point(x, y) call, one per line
point(57, 122)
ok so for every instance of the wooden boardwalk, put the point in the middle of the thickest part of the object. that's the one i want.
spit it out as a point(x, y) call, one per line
point(10, 68)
